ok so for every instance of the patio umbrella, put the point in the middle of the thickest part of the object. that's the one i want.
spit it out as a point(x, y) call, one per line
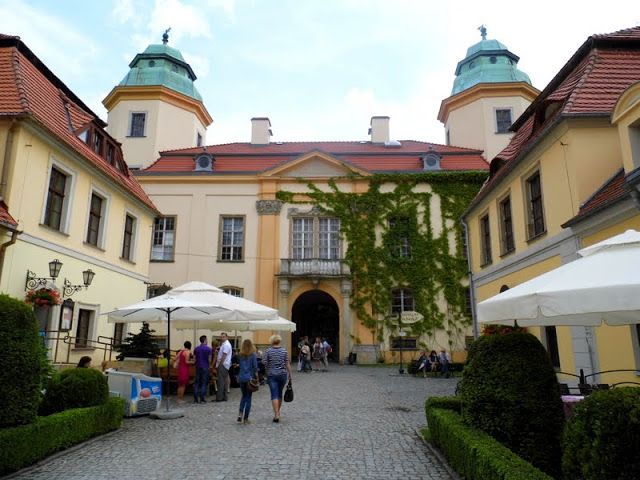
point(160, 309)
point(279, 324)
point(603, 285)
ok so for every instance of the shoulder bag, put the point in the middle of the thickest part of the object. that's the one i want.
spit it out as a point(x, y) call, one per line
point(288, 393)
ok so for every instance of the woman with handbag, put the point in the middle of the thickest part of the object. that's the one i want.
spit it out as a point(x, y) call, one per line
point(276, 361)
point(247, 378)
point(184, 358)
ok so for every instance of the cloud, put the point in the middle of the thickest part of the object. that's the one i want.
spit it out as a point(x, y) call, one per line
point(50, 37)
point(184, 20)
point(199, 64)
point(123, 11)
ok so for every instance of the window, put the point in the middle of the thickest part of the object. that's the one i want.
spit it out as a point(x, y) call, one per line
point(235, 291)
point(404, 343)
point(129, 236)
point(199, 140)
point(56, 204)
point(503, 120)
point(163, 239)
point(552, 345)
point(110, 154)
point(402, 301)
point(535, 215)
point(467, 301)
point(399, 231)
point(232, 239)
point(506, 226)
point(315, 237)
point(302, 240)
point(94, 229)
point(485, 240)
point(635, 335)
point(82, 330)
point(329, 238)
point(118, 334)
point(448, 137)
point(137, 123)
point(97, 142)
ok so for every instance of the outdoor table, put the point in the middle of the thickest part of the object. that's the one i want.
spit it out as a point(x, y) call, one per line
point(568, 401)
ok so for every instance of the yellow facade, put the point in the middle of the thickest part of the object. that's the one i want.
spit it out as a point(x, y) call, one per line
point(32, 154)
point(575, 159)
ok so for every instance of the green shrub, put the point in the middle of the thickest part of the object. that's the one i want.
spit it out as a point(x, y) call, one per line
point(21, 363)
point(509, 390)
point(28, 444)
point(474, 454)
point(602, 438)
point(447, 403)
point(75, 388)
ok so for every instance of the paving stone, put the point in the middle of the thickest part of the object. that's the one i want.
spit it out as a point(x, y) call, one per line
point(354, 422)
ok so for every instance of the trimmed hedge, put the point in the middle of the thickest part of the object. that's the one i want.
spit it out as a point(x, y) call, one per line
point(471, 452)
point(21, 363)
point(602, 438)
point(447, 403)
point(75, 388)
point(25, 445)
point(510, 391)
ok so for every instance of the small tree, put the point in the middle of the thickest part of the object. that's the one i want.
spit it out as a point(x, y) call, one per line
point(509, 390)
point(141, 344)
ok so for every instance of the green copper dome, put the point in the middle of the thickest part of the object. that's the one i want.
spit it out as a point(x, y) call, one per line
point(488, 61)
point(162, 65)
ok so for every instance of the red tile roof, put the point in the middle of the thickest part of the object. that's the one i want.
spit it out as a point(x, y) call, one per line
point(28, 89)
point(612, 191)
point(247, 158)
point(6, 220)
point(589, 84)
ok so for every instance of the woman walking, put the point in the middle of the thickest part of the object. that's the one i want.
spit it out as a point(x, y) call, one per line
point(248, 370)
point(276, 362)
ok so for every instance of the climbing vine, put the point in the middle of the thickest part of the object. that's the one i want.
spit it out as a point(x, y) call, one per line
point(391, 243)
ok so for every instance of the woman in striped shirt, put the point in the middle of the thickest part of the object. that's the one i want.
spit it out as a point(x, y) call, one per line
point(276, 362)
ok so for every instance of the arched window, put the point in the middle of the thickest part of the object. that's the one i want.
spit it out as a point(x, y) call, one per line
point(235, 291)
point(402, 301)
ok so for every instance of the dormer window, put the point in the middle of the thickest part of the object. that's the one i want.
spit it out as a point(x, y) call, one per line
point(431, 161)
point(97, 143)
point(204, 163)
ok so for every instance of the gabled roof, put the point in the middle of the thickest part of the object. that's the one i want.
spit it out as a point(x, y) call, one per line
point(6, 220)
point(245, 158)
point(588, 85)
point(28, 89)
point(610, 193)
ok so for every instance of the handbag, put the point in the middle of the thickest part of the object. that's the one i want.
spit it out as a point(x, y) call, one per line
point(288, 393)
point(253, 385)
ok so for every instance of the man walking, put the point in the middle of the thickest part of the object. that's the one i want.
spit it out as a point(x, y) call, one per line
point(223, 364)
point(203, 354)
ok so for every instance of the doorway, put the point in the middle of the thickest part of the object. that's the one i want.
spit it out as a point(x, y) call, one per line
point(316, 314)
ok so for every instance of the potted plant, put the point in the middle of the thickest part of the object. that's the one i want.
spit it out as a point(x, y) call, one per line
point(43, 297)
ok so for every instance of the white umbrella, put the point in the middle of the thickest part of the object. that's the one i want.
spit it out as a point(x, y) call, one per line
point(602, 285)
point(234, 308)
point(160, 309)
point(279, 324)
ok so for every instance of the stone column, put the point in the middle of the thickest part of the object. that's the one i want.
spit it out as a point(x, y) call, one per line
point(346, 327)
point(284, 288)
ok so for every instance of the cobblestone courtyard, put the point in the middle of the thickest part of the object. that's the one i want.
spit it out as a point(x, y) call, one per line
point(350, 423)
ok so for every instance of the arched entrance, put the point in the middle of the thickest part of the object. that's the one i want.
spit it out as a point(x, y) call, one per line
point(316, 314)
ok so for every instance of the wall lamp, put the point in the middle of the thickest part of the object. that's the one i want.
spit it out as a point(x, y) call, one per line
point(33, 282)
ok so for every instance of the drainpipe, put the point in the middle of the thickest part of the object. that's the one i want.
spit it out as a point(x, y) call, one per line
point(472, 289)
point(5, 245)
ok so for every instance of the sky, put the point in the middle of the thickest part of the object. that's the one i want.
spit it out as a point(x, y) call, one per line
point(319, 69)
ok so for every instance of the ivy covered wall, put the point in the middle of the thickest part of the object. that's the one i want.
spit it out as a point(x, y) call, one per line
point(394, 243)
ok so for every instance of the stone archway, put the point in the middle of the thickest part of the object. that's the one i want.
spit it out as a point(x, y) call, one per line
point(316, 314)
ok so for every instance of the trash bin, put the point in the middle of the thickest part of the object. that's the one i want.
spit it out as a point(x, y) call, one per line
point(352, 358)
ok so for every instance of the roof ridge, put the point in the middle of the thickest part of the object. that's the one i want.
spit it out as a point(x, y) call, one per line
point(591, 62)
point(22, 91)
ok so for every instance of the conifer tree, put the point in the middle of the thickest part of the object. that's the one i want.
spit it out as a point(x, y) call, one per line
point(141, 344)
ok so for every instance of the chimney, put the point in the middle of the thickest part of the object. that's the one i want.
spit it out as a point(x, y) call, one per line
point(260, 131)
point(379, 129)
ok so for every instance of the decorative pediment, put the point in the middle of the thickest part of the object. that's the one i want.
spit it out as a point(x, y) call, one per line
point(316, 164)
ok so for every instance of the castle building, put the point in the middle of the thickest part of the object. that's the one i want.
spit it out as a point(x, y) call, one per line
point(568, 179)
point(73, 220)
point(247, 217)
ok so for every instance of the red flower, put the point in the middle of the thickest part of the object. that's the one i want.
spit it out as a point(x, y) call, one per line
point(43, 296)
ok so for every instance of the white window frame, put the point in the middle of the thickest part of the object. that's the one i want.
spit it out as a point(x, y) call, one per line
point(404, 292)
point(69, 193)
point(134, 235)
point(173, 246)
point(130, 124)
point(106, 203)
point(233, 290)
point(310, 247)
point(501, 221)
point(221, 234)
point(495, 119)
